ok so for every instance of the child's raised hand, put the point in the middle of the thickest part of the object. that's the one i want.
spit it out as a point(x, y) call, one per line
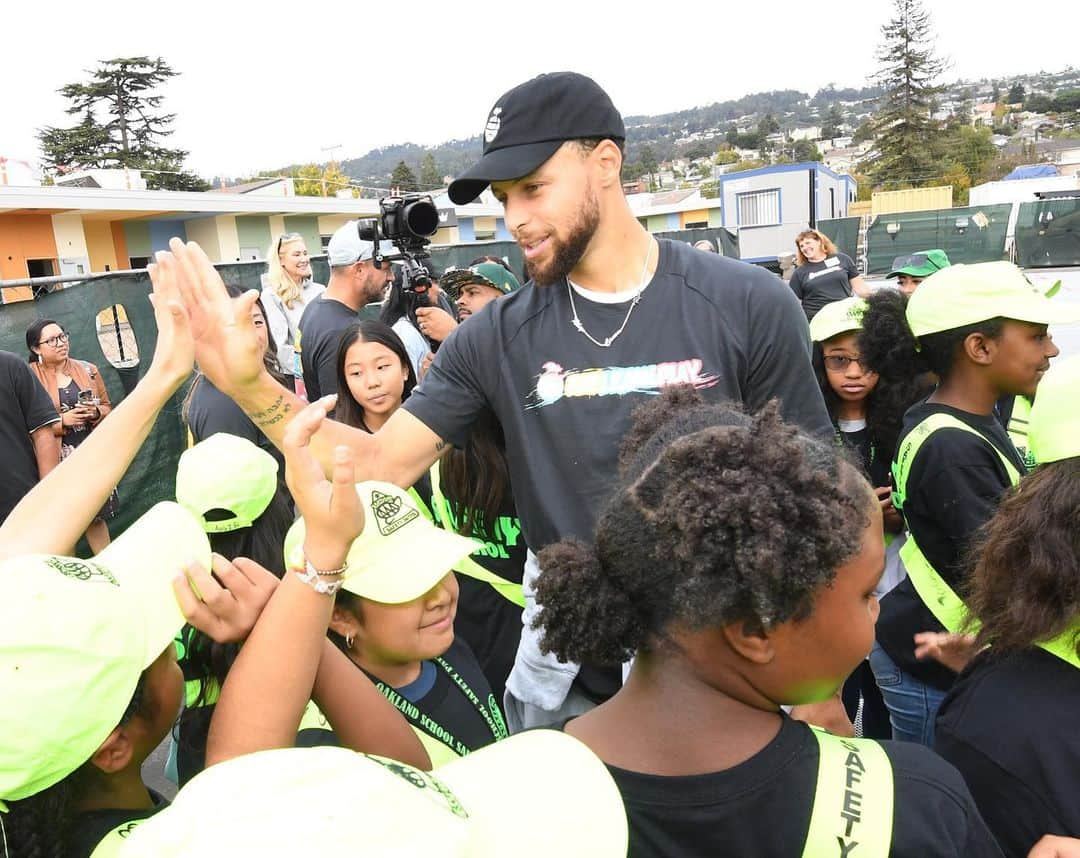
point(333, 516)
point(174, 353)
point(225, 605)
point(953, 651)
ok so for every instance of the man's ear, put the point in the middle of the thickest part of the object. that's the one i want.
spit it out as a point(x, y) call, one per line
point(608, 160)
point(114, 754)
point(751, 640)
point(979, 348)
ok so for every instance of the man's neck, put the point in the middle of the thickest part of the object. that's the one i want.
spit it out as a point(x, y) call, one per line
point(123, 790)
point(967, 392)
point(340, 290)
point(616, 255)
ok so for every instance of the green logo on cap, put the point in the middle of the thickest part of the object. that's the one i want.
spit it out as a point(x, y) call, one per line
point(80, 569)
point(422, 780)
point(390, 512)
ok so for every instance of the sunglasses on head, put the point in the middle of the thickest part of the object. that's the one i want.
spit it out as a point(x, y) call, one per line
point(289, 236)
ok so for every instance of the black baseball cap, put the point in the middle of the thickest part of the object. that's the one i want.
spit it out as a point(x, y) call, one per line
point(530, 122)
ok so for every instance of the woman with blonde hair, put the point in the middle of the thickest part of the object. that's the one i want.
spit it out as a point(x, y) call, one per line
point(824, 274)
point(289, 289)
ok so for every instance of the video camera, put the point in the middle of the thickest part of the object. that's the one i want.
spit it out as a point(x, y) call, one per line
point(408, 222)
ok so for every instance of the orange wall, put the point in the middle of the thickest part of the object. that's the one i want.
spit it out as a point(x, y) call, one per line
point(100, 246)
point(24, 237)
point(119, 244)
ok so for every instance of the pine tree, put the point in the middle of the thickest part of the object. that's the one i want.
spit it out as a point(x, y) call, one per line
point(121, 125)
point(903, 125)
point(403, 179)
point(430, 177)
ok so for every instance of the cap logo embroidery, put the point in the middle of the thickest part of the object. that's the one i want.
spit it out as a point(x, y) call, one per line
point(493, 124)
point(390, 513)
point(80, 570)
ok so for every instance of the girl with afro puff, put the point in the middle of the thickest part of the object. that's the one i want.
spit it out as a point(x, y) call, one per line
point(736, 563)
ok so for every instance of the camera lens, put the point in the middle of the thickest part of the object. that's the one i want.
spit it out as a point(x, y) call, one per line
point(421, 218)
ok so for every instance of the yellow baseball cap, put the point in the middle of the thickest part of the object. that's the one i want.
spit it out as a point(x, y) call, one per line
point(76, 635)
point(963, 295)
point(837, 317)
point(399, 556)
point(332, 801)
point(229, 473)
point(1054, 425)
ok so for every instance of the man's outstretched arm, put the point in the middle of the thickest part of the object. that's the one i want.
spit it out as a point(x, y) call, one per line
point(228, 353)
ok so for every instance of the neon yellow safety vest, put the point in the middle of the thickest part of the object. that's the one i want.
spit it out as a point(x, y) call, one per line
point(853, 801)
point(467, 566)
point(1018, 429)
point(948, 608)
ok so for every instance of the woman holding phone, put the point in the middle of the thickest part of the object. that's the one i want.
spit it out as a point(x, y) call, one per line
point(79, 395)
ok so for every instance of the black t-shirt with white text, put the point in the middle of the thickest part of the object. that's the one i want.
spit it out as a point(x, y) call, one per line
point(761, 808)
point(318, 339)
point(953, 487)
point(90, 828)
point(1009, 726)
point(730, 329)
point(26, 407)
point(816, 284)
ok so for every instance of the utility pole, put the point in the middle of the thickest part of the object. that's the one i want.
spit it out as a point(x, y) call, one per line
point(333, 162)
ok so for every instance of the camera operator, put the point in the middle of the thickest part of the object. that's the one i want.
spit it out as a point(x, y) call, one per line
point(421, 316)
point(354, 282)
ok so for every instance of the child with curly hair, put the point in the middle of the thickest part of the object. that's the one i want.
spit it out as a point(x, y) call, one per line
point(1009, 722)
point(737, 561)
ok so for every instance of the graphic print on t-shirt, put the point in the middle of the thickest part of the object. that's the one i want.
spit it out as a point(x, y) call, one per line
point(556, 383)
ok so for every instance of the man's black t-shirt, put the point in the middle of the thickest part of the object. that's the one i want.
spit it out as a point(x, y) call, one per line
point(317, 341)
point(25, 407)
point(953, 488)
point(90, 828)
point(730, 329)
point(210, 411)
point(1009, 726)
point(816, 284)
point(762, 807)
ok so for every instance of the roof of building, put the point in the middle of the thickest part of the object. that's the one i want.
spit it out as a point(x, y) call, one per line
point(248, 187)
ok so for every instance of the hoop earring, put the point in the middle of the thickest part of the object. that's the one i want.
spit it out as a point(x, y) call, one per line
point(349, 640)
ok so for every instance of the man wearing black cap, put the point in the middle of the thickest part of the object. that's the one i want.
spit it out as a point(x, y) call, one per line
point(611, 317)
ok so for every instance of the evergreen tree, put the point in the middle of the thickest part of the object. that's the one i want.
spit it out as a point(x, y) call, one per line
point(648, 162)
point(1016, 93)
point(908, 71)
point(830, 124)
point(121, 125)
point(403, 179)
point(430, 177)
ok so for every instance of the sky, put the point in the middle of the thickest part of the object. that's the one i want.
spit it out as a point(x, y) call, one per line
point(262, 86)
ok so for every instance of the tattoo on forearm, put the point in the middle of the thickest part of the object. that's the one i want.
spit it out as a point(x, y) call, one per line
point(274, 414)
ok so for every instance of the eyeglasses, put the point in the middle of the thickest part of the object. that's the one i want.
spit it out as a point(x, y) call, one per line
point(840, 363)
point(54, 342)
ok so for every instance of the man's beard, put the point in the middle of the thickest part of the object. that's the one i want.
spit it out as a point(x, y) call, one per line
point(567, 254)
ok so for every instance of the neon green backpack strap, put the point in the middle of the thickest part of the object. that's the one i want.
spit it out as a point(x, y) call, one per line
point(1018, 429)
point(853, 802)
point(509, 590)
point(941, 600)
point(1064, 645)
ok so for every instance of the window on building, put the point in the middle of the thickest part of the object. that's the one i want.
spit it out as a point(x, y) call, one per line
point(697, 224)
point(759, 208)
point(135, 262)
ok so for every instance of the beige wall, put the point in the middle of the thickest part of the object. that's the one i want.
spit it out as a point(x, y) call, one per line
point(228, 238)
point(203, 231)
point(99, 244)
point(277, 226)
point(446, 235)
point(329, 224)
point(70, 240)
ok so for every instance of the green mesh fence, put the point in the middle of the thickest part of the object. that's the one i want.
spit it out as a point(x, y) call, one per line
point(843, 232)
point(971, 234)
point(1048, 234)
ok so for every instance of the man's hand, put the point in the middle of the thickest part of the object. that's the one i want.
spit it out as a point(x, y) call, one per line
point(425, 364)
point(333, 516)
point(435, 323)
point(1052, 846)
point(226, 345)
point(226, 611)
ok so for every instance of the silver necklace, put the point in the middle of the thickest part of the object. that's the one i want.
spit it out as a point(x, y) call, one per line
point(576, 320)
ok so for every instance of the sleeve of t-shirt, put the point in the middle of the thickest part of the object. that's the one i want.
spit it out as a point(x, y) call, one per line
point(796, 283)
point(849, 266)
point(779, 358)
point(37, 408)
point(451, 396)
point(415, 344)
point(326, 367)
